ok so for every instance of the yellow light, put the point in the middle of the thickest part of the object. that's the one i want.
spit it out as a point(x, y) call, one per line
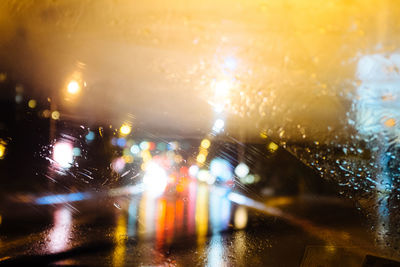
point(55, 115)
point(390, 122)
point(273, 147)
point(203, 151)
point(201, 158)
point(119, 237)
point(32, 103)
point(146, 156)
point(240, 219)
point(125, 129)
point(2, 150)
point(205, 143)
point(128, 158)
point(264, 135)
point(73, 87)
point(3, 77)
point(201, 214)
point(279, 201)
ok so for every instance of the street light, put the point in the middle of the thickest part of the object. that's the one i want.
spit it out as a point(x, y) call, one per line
point(125, 129)
point(73, 87)
point(69, 95)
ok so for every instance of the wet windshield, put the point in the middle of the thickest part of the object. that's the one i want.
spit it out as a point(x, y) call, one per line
point(211, 133)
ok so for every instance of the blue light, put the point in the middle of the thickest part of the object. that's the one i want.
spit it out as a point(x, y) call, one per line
point(173, 146)
point(219, 209)
point(238, 199)
point(114, 141)
point(76, 151)
point(132, 217)
point(90, 136)
point(215, 255)
point(121, 142)
point(221, 169)
point(62, 198)
point(135, 149)
point(378, 95)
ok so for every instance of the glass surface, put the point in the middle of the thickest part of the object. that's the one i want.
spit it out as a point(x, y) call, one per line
point(218, 133)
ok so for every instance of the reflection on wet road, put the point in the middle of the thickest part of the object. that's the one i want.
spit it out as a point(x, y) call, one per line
point(61, 232)
point(207, 225)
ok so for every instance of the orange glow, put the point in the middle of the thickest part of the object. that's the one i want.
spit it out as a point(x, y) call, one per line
point(180, 187)
point(170, 221)
point(323, 28)
point(46, 113)
point(390, 122)
point(179, 210)
point(279, 201)
point(2, 149)
point(160, 223)
point(3, 77)
point(152, 146)
point(73, 87)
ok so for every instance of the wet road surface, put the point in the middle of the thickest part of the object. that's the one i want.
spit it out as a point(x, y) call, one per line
point(199, 225)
